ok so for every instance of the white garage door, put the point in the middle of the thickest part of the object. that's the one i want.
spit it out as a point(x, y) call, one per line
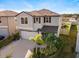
point(27, 35)
point(4, 32)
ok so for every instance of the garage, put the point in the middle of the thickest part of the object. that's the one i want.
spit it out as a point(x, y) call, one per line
point(27, 34)
point(4, 32)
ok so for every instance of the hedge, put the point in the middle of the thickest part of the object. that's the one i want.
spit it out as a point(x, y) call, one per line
point(9, 39)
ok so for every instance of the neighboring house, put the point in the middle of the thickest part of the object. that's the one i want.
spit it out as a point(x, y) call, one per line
point(7, 22)
point(41, 21)
point(69, 17)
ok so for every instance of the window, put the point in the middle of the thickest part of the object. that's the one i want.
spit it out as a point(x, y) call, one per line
point(47, 19)
point(44, 19)
point(26, 20)
point(37, 20)
point(0, 21)
point(34, 19)
point(22, 20)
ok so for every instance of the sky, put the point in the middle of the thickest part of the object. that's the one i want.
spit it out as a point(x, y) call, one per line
point(59, 6)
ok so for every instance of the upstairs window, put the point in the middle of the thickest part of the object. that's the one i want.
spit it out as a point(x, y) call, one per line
point(37, 20)
point(24, 20)
point(34, 19)
point(44, 19)
point(0, 20)
point(47, 19)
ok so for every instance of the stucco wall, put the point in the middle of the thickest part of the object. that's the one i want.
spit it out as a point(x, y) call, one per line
point(54, 22)
point(11, 25)
point(30, 21)
point(35, 26)
point(38, 25)
point(3, 21)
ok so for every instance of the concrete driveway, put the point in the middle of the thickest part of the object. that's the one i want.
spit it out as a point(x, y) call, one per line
point(17, 49)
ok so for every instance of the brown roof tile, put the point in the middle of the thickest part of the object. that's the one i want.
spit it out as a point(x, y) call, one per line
point(34, 13)
point(43, 12)
point(8, 13)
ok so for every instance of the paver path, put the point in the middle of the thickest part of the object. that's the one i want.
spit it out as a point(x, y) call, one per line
point(17, 49)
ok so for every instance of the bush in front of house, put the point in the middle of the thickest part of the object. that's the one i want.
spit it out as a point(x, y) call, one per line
point(38, 39)
point(9, 39)
point(54, 46)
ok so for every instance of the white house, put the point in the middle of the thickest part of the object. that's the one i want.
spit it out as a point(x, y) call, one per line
point(41, 21)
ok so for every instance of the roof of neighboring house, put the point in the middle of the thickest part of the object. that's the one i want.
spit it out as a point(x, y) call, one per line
point(52, 29)
point(70, 15)
point(8, 13)
point(43, 12)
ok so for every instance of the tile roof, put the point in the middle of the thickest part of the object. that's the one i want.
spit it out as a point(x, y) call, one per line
point(69, 15)
point(8, 13)
point(43, 12)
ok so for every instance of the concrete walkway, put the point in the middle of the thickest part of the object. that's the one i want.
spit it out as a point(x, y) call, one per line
point(17, 49)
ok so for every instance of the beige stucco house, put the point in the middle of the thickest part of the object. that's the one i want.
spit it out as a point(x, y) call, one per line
point(7, 22)
point(41, 21)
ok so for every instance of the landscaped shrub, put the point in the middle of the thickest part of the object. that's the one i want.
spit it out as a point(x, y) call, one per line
point(9, 39)
point(16, 36)
point(38, 39)
point(53, 47)
point(64, 26)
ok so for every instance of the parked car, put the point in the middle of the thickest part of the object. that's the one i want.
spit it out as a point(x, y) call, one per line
point(1, 37)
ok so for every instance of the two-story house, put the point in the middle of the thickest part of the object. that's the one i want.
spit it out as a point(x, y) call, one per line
point(7, 22)
point(34, 22)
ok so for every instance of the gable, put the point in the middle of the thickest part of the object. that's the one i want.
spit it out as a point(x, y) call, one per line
point(23, 13)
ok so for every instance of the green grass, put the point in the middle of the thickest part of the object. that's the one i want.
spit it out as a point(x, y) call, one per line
point(70, 42)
